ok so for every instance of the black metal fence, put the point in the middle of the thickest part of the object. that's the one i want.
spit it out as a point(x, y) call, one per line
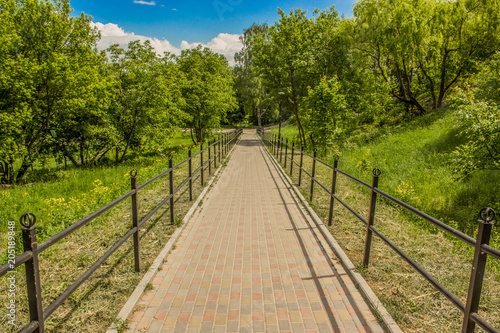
point(482, 249)
point(32, 249)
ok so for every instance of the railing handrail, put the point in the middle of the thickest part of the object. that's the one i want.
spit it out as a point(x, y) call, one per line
point(30, 256)
point(481, 244)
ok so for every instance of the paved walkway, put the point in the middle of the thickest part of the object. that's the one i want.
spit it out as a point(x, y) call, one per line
point(250, 261)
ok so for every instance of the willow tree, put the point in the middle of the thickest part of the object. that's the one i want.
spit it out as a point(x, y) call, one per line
point(423, 48)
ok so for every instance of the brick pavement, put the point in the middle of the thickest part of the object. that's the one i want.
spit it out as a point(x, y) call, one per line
point(250, 261)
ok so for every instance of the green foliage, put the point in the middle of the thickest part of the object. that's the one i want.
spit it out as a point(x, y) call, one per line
point(423, 48)
point(287, 58)
point(63, 99)
point(481, 126)
point(415, 161)
point(208, 90)
point(255, 97)
point(487, 81)
point(41, 86)
point(148, 101)
point(325, 112)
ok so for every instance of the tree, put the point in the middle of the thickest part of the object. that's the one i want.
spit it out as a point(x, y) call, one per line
point(481, 126)
point(208, 90)
point(84, 131)
point(480, 121)
point(292, 57)
point(148, 100)
point(284, 60)
point(45, 59)
point(423, 48)
point(487, 80)
point(255, 96)
point(324, 114)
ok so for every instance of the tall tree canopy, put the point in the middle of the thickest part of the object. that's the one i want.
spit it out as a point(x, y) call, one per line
point(256, 97)
point(148, 100)
point(291, 56)
point(422, 48)
point(208, 90)
point(47, 69)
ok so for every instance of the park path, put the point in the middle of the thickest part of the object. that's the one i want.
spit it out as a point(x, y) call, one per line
point(250, 261)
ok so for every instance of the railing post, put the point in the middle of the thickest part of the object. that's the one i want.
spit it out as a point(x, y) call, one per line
point(190, 175)
point(219, 145)
point(301, 160)
point(135, 220)
point(281, 151)
point(273, 142)
point(291, 161)
point(277, 147)
point(171, 181)
point(215, 155)
point(279, 143)
point(32, 271)
point(201, 158)
point(209, 158)
point(334, 184)
point(486, 221)
point(286, 151)
point(313, 174)
point(371, 217)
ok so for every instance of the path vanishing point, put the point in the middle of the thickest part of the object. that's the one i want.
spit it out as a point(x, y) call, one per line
point(251, 260)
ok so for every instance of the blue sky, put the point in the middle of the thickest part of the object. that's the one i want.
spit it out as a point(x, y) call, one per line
point(193, 21)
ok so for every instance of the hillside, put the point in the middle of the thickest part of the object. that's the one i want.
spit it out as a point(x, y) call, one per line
point(415, 164)
point(414, 160)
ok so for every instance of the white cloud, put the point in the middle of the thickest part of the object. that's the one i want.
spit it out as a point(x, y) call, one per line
point(109, 29)
point(149, 3)
point(225, 44)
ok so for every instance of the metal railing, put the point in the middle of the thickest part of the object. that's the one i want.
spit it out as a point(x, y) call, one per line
point(32, 249)
point(482, 249)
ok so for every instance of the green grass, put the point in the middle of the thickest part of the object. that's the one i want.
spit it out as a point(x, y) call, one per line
point(65, 197)
point(414, 160)
point(83, 189)
point(411, 156)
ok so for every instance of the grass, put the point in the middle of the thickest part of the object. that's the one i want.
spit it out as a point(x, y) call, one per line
point(60, 202)
point(413, 159)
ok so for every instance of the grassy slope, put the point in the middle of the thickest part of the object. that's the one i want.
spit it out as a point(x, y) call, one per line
point(55, 183)
point(413, 159)
point(415, 168)
point(64, 197)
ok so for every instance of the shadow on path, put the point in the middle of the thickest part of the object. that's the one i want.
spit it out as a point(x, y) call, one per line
point(314, 276)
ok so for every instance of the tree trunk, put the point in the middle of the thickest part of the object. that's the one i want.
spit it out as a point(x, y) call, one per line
point(117, 155)
point(4, 172)
point(72, 159)
point(11, 172)
point(82, 158)
point(24, 167)
point(192, 137)
point(295, 108)
point(431, 86)
point(442, 84)
point(125, 151)
point(259, 117)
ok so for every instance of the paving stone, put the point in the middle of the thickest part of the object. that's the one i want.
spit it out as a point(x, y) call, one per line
point(249, 261)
